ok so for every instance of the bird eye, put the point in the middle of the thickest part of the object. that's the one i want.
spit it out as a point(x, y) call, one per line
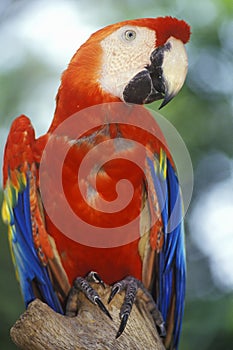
point(129, 35)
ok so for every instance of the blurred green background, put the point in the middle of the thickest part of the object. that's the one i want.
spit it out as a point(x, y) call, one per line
point(37, 39)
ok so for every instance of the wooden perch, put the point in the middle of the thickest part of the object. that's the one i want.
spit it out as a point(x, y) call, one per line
point(40, 328)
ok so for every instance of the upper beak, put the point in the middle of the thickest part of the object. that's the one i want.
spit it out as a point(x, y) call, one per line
point(167, 98)
point(174, 68)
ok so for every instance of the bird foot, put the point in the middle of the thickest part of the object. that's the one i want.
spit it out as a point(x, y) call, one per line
point(133, 288)
point(83, 285)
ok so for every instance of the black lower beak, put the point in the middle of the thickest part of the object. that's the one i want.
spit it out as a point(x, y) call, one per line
point(140, 89)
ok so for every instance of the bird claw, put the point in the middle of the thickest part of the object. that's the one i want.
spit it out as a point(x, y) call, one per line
point(95, 277)
point(114, 291)
point(131, 286)
point(102, 307)
point(123, 324)
point(83, 285)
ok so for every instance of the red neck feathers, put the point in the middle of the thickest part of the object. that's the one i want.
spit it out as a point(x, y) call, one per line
point(79, 84)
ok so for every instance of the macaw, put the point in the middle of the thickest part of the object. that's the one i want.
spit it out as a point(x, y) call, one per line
point(129, 64)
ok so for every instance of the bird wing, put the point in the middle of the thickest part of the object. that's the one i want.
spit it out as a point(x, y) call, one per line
point(163, 251)
point(36, 261)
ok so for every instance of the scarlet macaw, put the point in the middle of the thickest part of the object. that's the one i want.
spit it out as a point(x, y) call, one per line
point(133, 62)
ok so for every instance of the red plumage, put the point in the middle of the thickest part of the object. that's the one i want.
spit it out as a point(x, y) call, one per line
point(47, 260)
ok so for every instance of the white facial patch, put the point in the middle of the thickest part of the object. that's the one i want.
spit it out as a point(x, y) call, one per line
point(125, 53)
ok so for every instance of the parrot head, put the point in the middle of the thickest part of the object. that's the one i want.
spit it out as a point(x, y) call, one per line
point(136, 61)
point(145, 60)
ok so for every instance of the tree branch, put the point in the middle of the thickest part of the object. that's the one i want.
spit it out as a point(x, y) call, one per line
point(40, 328)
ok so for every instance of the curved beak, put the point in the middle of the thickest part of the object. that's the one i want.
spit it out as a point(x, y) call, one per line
point(174, 67)
point(163, 78)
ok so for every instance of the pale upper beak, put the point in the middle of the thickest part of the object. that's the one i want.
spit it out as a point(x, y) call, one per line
point(174, 67)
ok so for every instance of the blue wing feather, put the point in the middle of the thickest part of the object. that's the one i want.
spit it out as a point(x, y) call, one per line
point(171, 259)
point(34, 254)
point(29, 268)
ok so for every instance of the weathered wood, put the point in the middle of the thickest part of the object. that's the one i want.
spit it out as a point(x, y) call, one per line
point(40, 328)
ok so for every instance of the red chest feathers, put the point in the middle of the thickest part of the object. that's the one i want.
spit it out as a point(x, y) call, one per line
point(102, 180)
